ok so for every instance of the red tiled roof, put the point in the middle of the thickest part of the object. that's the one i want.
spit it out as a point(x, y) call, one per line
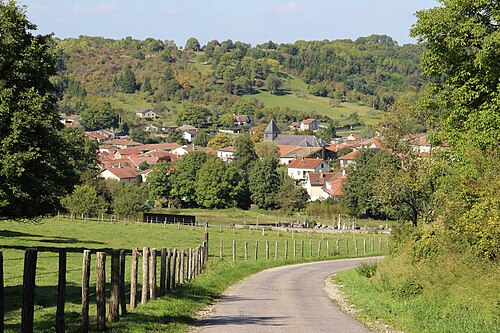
point(124, 173)
point(305, 163)
point(124, 162)
point(319, 178)
point(160, 146)
point(240, 118)
point(349, 156)
point(121, 142)
point(307, 121)
point(285, 149)
point(228, 149)
point(130, 151)
point(336, 185)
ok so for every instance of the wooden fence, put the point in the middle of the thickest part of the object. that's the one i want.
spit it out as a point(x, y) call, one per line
point(177, 267)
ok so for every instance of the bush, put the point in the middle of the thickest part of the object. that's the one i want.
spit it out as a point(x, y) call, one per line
point(367, 269)
point(409, 287)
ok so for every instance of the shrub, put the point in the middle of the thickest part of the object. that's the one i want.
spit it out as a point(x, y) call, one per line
point(367, 269)
point(409, 287)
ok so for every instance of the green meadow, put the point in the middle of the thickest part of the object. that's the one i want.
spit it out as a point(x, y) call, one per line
point(176, 311)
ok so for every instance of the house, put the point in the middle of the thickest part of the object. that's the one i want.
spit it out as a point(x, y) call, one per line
point(290, 153)
point(128, 152)
point(273, 133)
point(353, 137)
point(348, 159)
point(188, 132)
point(121, 143)
point(126, 175)
point(333, 187)
point(241, 120)
point(151, 128)
point(316, 182)
point(159, 147)
point(309, 124)
point(295, 125)
point(226, 154)
point(298, 168)
point(146, 114)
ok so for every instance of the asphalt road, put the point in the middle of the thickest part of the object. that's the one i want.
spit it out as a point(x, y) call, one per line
point(284, 299)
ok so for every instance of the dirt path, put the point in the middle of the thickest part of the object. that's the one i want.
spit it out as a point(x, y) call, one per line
point(284, 299)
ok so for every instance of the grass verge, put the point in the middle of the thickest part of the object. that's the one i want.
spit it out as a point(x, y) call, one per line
point(452, 294)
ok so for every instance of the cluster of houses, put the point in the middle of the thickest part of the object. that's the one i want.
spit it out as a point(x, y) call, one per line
point(306, 157)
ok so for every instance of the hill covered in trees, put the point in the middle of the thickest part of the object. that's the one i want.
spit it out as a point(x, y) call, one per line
point(330, 78)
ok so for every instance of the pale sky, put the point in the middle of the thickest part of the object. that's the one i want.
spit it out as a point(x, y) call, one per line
point(250, 21)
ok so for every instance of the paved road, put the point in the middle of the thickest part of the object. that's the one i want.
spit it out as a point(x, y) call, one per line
point(284, 299)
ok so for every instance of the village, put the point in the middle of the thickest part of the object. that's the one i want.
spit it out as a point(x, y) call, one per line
point(318, 166)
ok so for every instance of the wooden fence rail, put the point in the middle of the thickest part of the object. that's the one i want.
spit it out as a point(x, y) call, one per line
point(177, 268)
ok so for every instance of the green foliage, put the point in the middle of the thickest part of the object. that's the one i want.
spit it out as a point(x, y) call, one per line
point(325, 208)
point(244, 154)
point(267, 149)
point(273, 84)
point(220, 141)
point(367, 269)
point(85, 200)
point(158, 181)
point(218, 184)
point(195, 115)
point(264, 182)
point(201, 139)
point(192, 44)
point(185, 176)
point(291, 198)
point(35, 171)
point(125, 81)
point(128, 200)
point(462, 39)
point(99, 115)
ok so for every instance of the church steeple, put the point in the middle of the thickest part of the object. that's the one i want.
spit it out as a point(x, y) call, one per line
point(271, 131)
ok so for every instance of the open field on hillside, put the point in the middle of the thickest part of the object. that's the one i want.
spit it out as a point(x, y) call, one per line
point(168, 314)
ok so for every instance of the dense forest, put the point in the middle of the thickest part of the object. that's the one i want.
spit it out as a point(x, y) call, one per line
point(94, 71)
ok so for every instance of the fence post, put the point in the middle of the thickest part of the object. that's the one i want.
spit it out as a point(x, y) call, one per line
point(181, 267)
point(169, 270)
point(133, 278)
point(346, 247)
point(294, 248)
point(152, 274)
point(234, 250)
point(302, 249)
point(379, 245)
point(205, 250)
point(267, 250)
point(221, 249)
point(356, 246)
point(174, 269)
point(310, 248)
point(114, 304)
point(28, 310)
point(276, 250)
point(364, 246)
point(61, 289)
point(257, 250)
point(123, 301)
point(372, 245)
point(100, 288)
point(189, 263)
point(337, 246)
point(145, 275)
point(319, 248)
point(163, 270)
point(85, 290)
point(286, 249)
point(246, 250)
point(2, 295)
point(327, 248)
point(195, 262)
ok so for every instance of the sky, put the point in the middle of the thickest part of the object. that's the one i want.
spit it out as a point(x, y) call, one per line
point(249, 21)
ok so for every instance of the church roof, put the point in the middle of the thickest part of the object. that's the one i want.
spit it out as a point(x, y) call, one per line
point(272, 128)
point(300, 140)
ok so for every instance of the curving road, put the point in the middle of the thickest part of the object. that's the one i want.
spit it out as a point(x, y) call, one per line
point(284, 299)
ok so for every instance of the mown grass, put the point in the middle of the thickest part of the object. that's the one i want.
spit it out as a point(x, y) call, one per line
point(175, 311)
point(452, 294)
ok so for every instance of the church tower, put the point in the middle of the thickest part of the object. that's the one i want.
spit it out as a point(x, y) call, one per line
point(271, 131)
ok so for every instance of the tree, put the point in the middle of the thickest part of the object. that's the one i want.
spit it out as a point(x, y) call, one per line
point(129, 200)
point(273, 84)
point(220, 141)
point(244, 153)
point(84, 200)
point(184, 177)
point(218, 184)
point(201, 139)
point(146, 86)
point(290, 197)
point(267, 149)
point(264, 183)
point(158, 181)
point(125, 81)
point(359, 193)
point(99, 115)
point(462, 53)
point(35, 172)
point(192, 44)
point(195, 115)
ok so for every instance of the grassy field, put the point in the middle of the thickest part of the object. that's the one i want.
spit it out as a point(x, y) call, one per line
point(453, 294)
point(169, 313)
